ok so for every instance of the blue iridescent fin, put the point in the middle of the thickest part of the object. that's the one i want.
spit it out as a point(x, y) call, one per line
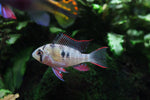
point(61, 69)
point(81, 67)
point(58, 74)
point(1, 9)
point(39, 17)
point(63, 39)
point(6, 12)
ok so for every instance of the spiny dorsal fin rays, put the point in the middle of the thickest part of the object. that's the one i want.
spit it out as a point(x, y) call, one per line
point(63, 39)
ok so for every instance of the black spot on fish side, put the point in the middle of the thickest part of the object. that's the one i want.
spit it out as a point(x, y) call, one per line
point(67, 55)
point(63, 54)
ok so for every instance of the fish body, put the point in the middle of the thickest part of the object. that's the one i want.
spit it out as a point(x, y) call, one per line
point(65, 11)
point(62, 54)
point(57, 55)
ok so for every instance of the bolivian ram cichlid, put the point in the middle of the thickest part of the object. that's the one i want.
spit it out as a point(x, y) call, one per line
point(65, 11)
point(65, 51)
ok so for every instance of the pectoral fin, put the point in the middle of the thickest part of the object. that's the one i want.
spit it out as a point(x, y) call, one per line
point(61, 69)
point(58, 74)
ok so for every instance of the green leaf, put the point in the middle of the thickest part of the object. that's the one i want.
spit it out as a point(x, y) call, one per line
point(135, 36)
point(135, 33)
point(3, 92)
point(74, 33)
point(146, 3)
point(115, 42)
point(119, 1)
point(56, 30)
point(145, 17)
point(14, 76)
point(98, 7)
point(1, 84)
point(8, 22)
point(147, 40)
point(13, 39)
point(134, 42)
point(22, 25)
point(90, 0)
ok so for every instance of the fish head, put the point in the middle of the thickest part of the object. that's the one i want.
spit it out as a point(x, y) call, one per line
point(38, 54)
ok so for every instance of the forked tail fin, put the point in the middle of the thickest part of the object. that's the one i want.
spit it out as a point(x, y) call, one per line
point(98, 57)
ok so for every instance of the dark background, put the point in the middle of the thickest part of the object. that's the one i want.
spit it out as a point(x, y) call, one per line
point(122, 25)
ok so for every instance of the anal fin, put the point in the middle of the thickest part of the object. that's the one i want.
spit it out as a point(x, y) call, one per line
point(81, 67)
point(58, 74)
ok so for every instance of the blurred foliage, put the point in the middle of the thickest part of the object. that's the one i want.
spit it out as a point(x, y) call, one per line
point(122, 25)
point(3, 92)
point(115, 42)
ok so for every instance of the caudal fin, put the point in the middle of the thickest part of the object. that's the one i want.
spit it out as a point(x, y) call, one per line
point(98, 57)
point(6, 12)
point(66, 13)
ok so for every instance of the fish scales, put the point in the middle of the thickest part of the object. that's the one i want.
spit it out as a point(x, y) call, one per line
point(74, 58)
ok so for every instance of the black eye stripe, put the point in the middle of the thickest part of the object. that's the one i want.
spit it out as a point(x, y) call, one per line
point(40, 53)
point(41, 58)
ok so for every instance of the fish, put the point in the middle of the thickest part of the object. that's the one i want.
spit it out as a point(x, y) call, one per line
point(65, 51)
point(65, 11)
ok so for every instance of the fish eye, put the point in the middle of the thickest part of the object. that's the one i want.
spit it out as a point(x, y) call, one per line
point(39, 52)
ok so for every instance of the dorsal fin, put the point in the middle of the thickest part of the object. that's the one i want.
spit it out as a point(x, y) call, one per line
point(64, 39)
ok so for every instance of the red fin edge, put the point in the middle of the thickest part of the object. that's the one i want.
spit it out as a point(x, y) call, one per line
point(99, 65)
point(7, 12)
point(61, 69)
point(77, 40)
point(101, 48)
point(58, 74)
